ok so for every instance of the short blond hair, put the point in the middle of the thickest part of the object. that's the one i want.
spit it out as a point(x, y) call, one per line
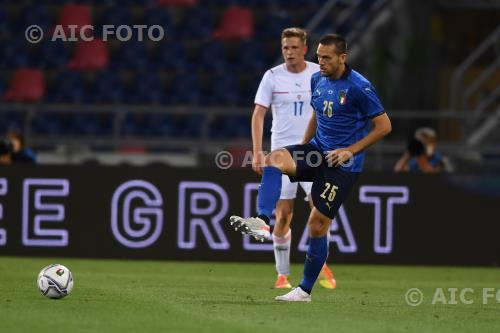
point(295, 32)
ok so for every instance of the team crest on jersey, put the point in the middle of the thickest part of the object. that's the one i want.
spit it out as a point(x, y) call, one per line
point(342, 97)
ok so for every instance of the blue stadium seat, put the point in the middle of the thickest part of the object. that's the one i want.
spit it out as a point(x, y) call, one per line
point(197, 23)
point(90, 124)
point(273, 24)
point(185, 89)
point(14, 54)
point(158, 16)
point(52, 55)
point(107, 88)
point(252, 56)
point(10, 119)
point(132, 55)
point(36, 14)
point(213, 56)
point(160, 125)
point(68, 88)
point(171, 55)
point(225, 90)
point(146, 89)
point(227, 127)
point(188, 126)
point(47, 123)
point(116, 15)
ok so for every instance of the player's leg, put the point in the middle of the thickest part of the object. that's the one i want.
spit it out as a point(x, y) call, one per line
point(330, 189)
point(282, 234)
point(326, 277)
point(277, 163)
point(317, 253)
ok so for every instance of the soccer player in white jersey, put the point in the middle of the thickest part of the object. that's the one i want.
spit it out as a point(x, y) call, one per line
point(286, 89)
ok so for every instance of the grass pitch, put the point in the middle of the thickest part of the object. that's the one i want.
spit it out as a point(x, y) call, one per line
point(146, 296)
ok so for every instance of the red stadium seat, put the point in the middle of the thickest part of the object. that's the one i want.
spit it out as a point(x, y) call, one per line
point(180, 3)
point(75, 14)
point(237, 23)
point(26, 85)
point(92, 54)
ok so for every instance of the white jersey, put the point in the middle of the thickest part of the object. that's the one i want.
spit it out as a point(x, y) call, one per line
point(289, 96)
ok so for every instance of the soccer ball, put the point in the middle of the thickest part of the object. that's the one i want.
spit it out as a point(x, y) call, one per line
point(55, 281)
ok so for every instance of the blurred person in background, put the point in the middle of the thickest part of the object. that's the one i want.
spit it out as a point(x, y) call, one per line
point(5, 151)
point(20, 153)
point(287, 89)
point(421, 154)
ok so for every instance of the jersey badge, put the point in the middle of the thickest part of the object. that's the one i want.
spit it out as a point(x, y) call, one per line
point(342, 97)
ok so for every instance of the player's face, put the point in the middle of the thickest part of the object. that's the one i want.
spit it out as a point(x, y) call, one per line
point(293, 51)
point(329, 61)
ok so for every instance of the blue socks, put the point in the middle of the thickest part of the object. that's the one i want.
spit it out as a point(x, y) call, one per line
point(316, 256)
point(269, 191)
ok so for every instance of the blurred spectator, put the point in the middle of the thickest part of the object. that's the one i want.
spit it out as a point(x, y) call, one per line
point(421, 154)
point(5, 151)
point(20, 153)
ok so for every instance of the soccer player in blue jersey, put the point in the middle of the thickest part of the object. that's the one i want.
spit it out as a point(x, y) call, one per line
point(331, 155)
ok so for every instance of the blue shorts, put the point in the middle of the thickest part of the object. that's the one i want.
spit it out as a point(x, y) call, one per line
point(331, 185)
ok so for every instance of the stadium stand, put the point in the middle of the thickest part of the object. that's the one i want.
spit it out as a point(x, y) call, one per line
point(27, 85)
point(212, 58)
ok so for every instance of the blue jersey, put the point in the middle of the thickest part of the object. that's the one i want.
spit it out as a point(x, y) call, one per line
point(343, 109)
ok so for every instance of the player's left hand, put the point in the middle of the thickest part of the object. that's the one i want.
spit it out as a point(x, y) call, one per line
point(340, 157)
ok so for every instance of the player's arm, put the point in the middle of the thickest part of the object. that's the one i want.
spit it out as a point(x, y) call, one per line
point(402, 163)
point(258, 116)
point(381, 127)
point(310, 129)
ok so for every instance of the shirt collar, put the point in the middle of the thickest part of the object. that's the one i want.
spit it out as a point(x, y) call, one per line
point(346, 73)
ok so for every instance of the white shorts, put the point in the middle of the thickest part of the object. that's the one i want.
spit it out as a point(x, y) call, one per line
point(289, 189)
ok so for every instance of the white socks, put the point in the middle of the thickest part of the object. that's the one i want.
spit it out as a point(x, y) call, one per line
point(281, 247)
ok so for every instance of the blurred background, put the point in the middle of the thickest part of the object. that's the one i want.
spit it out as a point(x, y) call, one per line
point(180, 100)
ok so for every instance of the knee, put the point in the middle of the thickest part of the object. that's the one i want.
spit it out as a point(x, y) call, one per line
point(319, 227)
point(284, 216)
point(274, 159)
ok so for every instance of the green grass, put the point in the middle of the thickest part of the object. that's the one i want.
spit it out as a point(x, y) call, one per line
point(146, 296)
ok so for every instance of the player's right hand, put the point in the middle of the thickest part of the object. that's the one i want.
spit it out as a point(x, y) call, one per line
point(258, 162)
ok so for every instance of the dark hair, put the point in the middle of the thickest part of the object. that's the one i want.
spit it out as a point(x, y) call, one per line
point(15, 133)
point(5, 146)
point(337, 40)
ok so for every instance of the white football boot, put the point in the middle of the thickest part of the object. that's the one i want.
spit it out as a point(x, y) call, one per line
point(252, 226)
point(296, 295)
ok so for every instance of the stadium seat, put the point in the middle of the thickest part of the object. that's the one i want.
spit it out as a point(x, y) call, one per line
point(180, 3)
point(48, 123)
point(52, 55)
point(75, 14)
point(146, 88)
point(185, 90)
point(68, 88)
point(171, 55)
point(237, 23)
point(27, 85)
point(36, 15)
point(116, 14)
point(107, 88)
point(132, 55)
point(92, 54)
point(197, 23)
point(14, 54)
